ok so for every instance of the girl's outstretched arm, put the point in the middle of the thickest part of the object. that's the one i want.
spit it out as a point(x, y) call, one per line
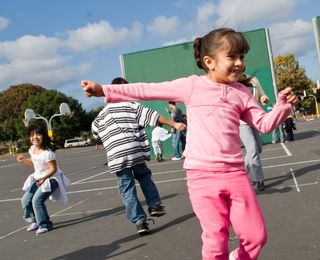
point(27, 161)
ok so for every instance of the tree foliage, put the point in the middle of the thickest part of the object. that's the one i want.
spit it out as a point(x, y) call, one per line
point(10, 108)
point(290, 74)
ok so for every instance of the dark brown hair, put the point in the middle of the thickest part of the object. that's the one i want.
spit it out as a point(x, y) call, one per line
point(222, 38)
point(119, 80)
point(41, 130)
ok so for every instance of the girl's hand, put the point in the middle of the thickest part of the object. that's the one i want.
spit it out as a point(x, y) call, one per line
point(180, 126)
point(91, 88)
point(291, 97)
point(264, 100)
point(40, 181)
point(20, 158)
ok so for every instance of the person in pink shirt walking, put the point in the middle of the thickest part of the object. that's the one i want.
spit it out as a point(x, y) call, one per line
point(219, 188)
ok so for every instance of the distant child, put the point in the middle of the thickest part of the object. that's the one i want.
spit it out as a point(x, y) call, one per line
point(159, 135)
point(219, 188)
point(121, 128)
point(289, 126)
point(47, 181)
point(177, 136)
point(250, 137)
point(279, 130)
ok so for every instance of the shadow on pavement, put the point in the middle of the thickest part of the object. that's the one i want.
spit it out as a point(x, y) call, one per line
point(104, 251)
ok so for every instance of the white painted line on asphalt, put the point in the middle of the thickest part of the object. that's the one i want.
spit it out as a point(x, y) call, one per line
point(77, 158)
point(273, 149)
point(8, 200)
point(82, 212)
point(115, 187)
point(93, 176)
point(13, 232)
point(65, 209)
point(111, 179)
point(276, 157)
point(293, 186)
point(94, 181)
point(15, 190)
point(308, 184)
point(167, 161)
point(97, 189)
point(287, 164)
point(24, 227)
point(82, 170)
point(295, 180)
point(8, 165)
point(286, 149)
point(171, 180)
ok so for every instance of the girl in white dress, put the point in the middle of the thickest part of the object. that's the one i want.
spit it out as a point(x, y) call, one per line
point(47, 181)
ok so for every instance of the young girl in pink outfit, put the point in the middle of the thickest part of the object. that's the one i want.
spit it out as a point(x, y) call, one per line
point(219, 189)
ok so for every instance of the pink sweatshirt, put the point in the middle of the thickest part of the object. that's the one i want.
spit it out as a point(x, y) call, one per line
point(214, 112)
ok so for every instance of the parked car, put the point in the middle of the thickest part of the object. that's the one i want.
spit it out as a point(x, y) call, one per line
point(75, 142)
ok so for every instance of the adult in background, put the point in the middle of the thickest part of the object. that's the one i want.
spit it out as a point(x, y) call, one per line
point(177, 136)
point(251, 137)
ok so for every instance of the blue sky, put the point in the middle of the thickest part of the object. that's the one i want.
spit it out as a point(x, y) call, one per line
point(58, 43)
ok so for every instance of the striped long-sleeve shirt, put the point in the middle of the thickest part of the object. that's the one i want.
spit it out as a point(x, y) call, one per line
point(120, 126)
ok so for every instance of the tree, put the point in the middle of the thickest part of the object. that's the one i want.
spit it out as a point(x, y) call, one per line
point(10, 108)
point(290, 74)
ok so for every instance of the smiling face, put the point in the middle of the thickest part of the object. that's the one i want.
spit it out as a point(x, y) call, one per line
point(226, 67)
point(36, 139)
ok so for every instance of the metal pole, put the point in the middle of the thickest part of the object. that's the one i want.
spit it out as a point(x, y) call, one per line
point(273, 73)
point(46, 120)
point(50, 132)
point(316, 102)
point(317, 34)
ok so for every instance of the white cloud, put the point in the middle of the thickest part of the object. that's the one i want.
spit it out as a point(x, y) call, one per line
point(164, 26)
point(29, 47)
point(205, 12)
point(101, 35)
point(4, 22)
point(294, 37)
point(36, 59)
point(241, 13)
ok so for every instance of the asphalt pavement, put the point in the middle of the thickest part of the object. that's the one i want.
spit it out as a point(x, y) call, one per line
point(94, 226)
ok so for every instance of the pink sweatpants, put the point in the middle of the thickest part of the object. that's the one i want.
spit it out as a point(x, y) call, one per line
point(221, 199)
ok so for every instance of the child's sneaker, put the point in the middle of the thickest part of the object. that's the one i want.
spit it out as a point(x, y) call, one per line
point(33, 226)
point(42, 230)
point(143, 228)
point(157, 211)
point(261, 186)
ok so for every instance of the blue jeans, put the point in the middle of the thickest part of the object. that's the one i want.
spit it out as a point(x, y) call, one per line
point(33, 204)
point(178, 136)
point(128, 192)
point(252, 142)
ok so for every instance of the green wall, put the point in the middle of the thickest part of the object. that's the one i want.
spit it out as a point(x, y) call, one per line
point(171, 62)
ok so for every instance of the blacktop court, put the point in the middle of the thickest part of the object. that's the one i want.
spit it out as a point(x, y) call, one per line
point(93, 225)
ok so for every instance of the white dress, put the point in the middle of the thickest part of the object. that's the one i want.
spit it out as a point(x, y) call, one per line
point(40, 162)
